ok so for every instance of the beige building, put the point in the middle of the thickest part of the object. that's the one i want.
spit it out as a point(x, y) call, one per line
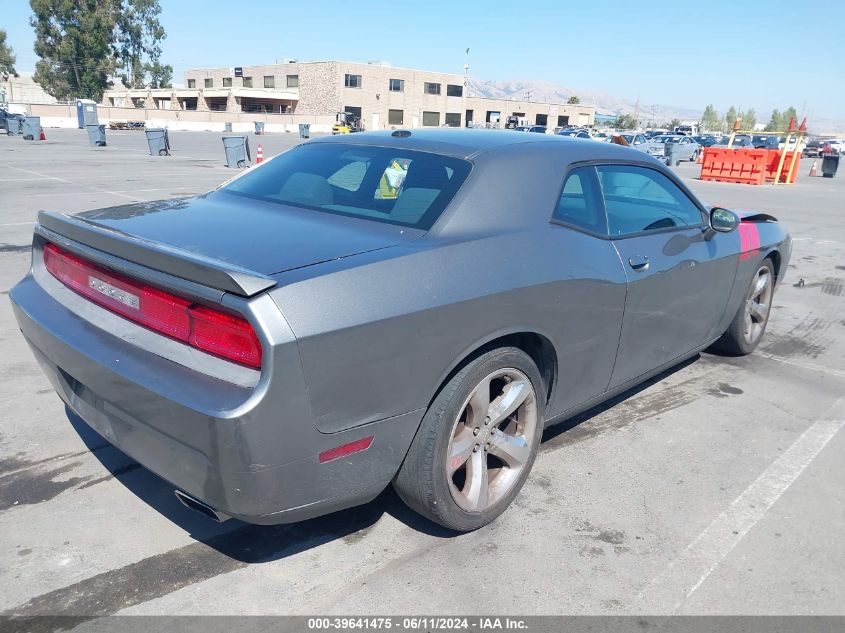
point(383, 96)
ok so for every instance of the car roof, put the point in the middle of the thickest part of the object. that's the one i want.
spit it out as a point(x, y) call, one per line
point(467, 143)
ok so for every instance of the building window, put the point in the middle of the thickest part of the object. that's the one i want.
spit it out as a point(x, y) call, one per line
point(431, 89)
point(431, 119)
point(395, 117)
point(269, 81)
point(227, 82)
point(352, 81)
point(192, 83)
point(453, 119)
point(209, 83)
point(293, 81)
point(453, 90)
point(397, 85)
point(247, 82)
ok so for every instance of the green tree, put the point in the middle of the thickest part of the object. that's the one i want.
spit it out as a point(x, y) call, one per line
point(626, 122)
point(573, 100)
point(730, 117)
point(161, 76)
point(83, 43)
point(710, 120)
point(749, 119)
point(789, 114)
point(673, 124)
point(775, 123)
point(138, 41)
point(7, 58)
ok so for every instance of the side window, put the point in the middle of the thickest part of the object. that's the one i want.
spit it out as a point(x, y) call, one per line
point(641, 199)
point(579, 203)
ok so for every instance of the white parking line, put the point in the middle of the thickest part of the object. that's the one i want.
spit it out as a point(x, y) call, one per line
point(801, 364)
point(70, 182)
point(17, 223)
point(680, 578)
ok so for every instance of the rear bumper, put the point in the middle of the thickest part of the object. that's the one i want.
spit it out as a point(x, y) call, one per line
point(249, 452)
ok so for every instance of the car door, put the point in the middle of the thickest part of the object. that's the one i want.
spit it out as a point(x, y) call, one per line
point(686, 148)
point(678, 280)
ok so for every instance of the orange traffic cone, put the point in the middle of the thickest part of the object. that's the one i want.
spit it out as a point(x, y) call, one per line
point(43, 136)
point(814, 169)
point(259, 155)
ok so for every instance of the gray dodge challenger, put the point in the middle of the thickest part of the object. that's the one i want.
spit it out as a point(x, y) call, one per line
point(408, 308)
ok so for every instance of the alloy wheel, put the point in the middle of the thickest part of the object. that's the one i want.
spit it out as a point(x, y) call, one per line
point(492, 439)
point(757, 305)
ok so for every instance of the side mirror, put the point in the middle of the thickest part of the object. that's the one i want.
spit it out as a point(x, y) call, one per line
point(721, 221)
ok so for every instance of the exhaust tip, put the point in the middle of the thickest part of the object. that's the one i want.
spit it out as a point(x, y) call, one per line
point(198, 506)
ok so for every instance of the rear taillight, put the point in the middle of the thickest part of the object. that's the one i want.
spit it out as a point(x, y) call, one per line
point(213, 331)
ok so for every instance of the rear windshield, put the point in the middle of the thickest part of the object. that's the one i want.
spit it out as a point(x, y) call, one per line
point(384, 184)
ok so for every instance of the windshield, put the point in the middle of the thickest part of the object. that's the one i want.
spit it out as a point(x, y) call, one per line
point(384, 184)
point(666, 139)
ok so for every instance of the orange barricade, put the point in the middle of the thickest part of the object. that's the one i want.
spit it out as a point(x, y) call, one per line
point(772, 162)
point(747, 166)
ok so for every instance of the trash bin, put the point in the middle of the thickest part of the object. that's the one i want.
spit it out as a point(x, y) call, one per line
point(830, 163)
point(304, 130)
point(237, 151)
point(227, 127)
point(13, 126)
point(259, 128)
point(96, 135)
point(670, 154)
point(32, 128)
point(158, 141)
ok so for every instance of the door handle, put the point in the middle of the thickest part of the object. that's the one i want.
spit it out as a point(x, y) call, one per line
point(639, 262)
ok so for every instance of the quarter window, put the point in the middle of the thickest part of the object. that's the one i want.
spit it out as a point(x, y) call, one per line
point(642, 199)
point(579, 203)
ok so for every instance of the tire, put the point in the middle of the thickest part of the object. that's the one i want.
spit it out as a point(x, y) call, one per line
point(694, 156)
point(480, 484)
point(163, 152)
point(746, 331)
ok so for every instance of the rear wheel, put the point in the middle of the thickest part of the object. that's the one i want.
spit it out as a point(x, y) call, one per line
point(694, 156)
point(476, 443)
point(749, 324)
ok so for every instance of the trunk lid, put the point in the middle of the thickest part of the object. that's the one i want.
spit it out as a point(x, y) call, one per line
point(253, 235)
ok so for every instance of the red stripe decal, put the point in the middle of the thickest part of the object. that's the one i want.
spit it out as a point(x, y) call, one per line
point(749, 239)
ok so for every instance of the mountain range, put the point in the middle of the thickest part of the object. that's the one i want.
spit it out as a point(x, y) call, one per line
point(518, 90)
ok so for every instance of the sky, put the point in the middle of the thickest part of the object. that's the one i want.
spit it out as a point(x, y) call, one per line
point(759, 54)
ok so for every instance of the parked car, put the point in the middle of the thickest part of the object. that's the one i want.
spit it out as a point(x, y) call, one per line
point(740, 141)
point(574, 133)
point(813, 148)
point(636, 140)
point(539, 129)
point(287, 344)
point(601, 137)
point(685, 146)
point(766, 141)
point(707, 140)
point(835, 144)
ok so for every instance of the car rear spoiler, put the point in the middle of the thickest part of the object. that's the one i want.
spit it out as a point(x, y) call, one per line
point(174, 261)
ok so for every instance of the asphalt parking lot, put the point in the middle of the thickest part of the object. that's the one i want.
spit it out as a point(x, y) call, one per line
point(714, 489)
